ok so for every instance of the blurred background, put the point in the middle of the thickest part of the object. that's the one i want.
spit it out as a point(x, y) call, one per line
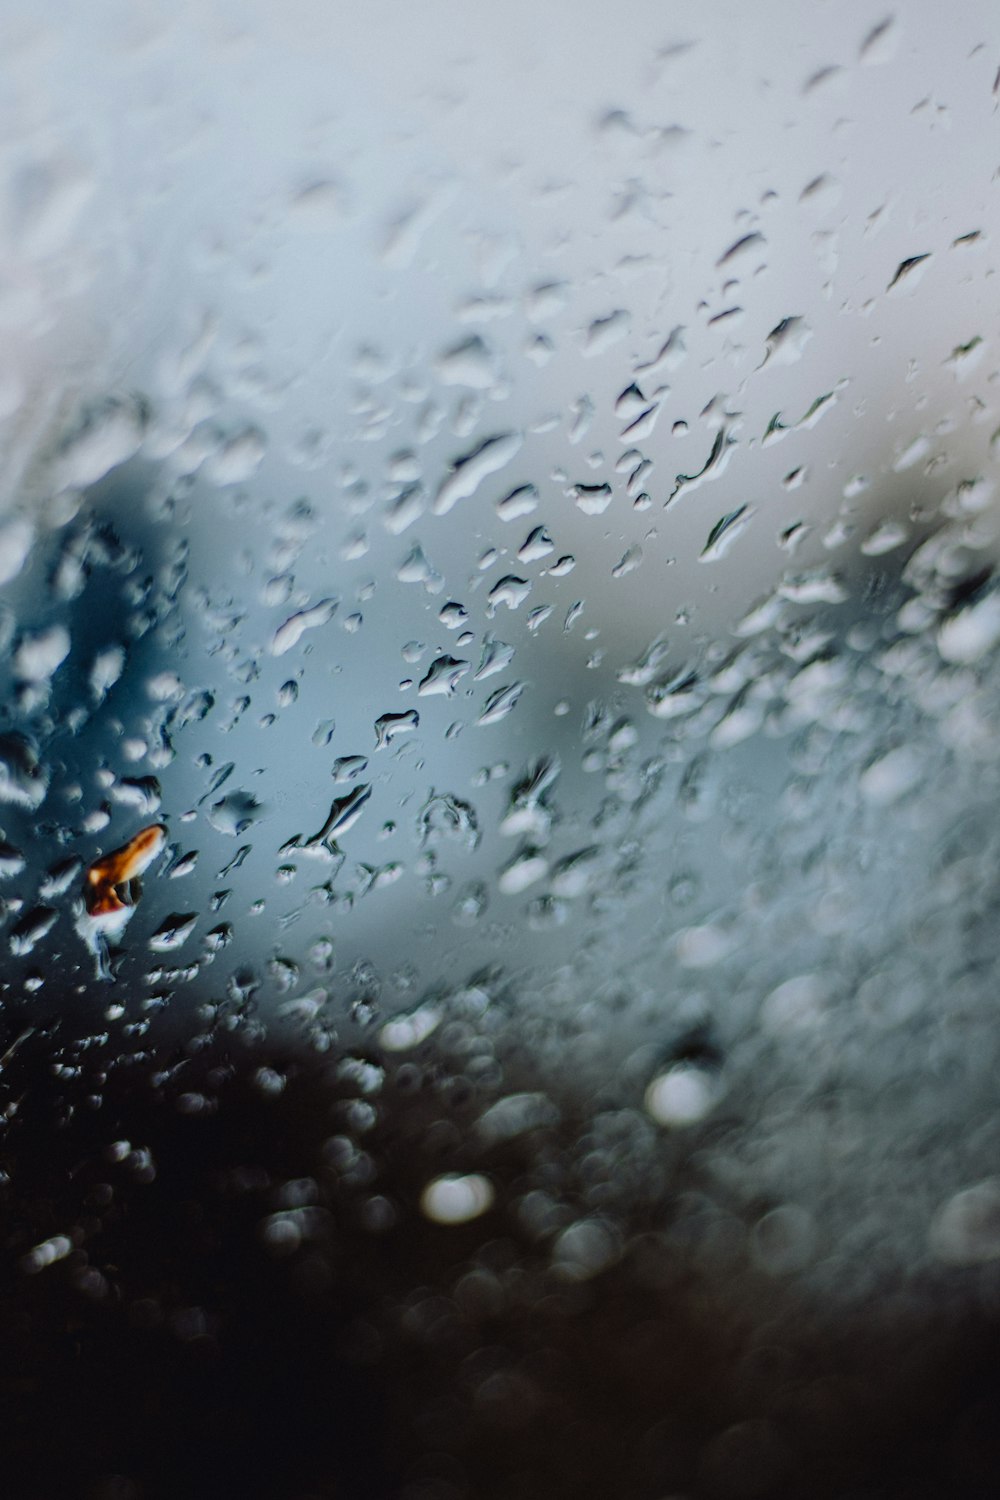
point(512, 497)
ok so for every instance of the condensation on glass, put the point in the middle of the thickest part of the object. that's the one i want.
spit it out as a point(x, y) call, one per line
point(497, 547)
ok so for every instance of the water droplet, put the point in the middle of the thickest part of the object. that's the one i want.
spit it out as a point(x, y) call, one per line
point(468, 472)
point(969, 634)
point(821, 194)
point(891, 777)
point(30, 929)
point(515, 1115)
point(495, 656)
point(741, 720)
point(469, 363)
point(787, 341)
point(348, 768)
point(408, 506)
point(681, 694)
point(800, 1004)
point(344, 813)
point(106, 670)
point(470, 904)
point(592, 499)
point(509, 591)
point(703, 947)
point(38, 655)
point(575, 874)
point(236, 458)
point(453, 1199)
point(523, 871)
point(545, 301)
point(628, 562)
point(536, 544)
point(22, 779)
point(453, 615)
point(683, 1095)
point(713, 466)
point(182, 864)
point(885, 538)
point(406, 232)
point(108, 436)
point(582, 412)
point(724, 533)
point(499, 704)
point(443, 676)
point(390, 725)
point(816, 586)
point(291, 632)
point(415, 568)
point(604, 332)
point(218, 938)
point(317, 207)
point(12, 861)
point(520, 502)
point(445, 816)
point(47, 1254)
point(585, 1249)
point(173, 931)
point(235, 813)
point(16, 538)
point(741, 246)
point(909, 272)
point(404, 1032)
point(880, 45)
point(965, 357)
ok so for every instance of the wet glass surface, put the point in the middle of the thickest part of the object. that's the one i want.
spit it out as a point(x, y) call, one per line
point(498, 851)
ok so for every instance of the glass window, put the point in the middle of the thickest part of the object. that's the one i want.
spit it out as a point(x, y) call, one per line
point(498, 765)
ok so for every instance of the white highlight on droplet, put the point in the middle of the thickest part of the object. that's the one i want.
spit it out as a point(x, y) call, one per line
point(968, 635)
point(683, 1095)
point(404, 1032)
point(454, 1199)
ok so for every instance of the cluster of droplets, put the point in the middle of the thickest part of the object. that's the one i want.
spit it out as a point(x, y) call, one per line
point(639, 864)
